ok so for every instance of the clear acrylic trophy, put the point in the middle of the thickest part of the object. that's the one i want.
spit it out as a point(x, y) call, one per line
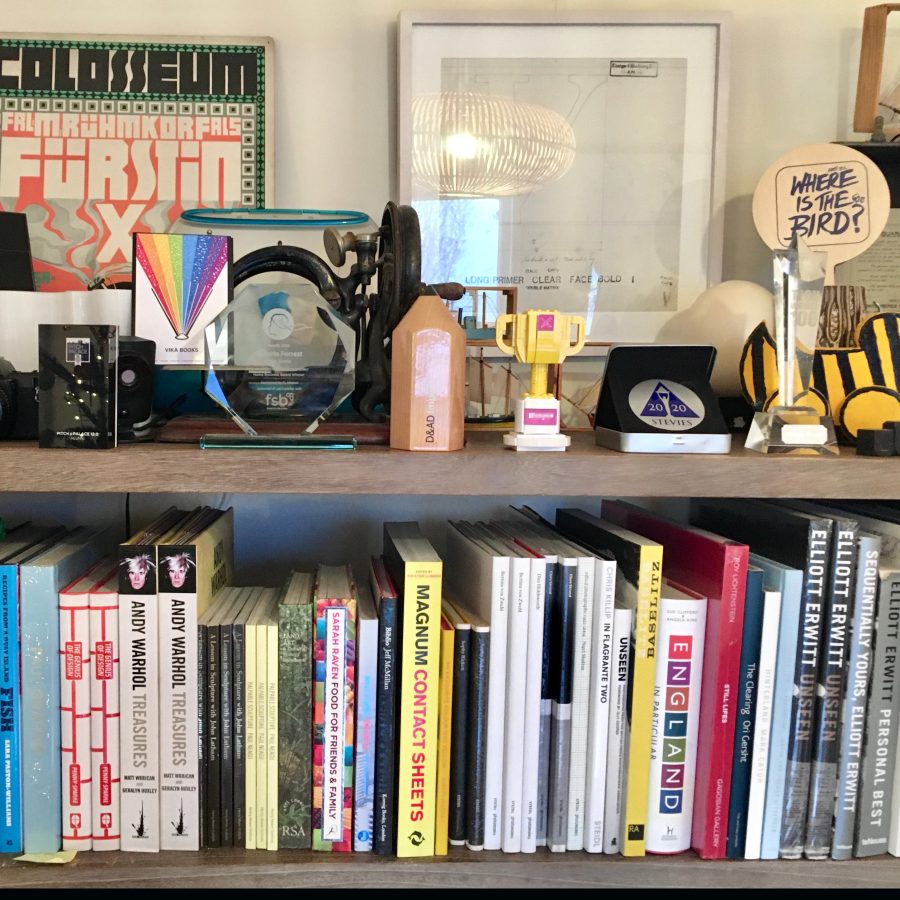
point(279, 352)
point(788, 424)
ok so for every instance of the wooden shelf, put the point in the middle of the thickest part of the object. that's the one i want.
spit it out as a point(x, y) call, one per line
point(483, 468)
point(235, 868)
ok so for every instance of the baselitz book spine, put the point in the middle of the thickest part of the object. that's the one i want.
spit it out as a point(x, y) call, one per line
point(105, 775)
point(676, 715)
point(75, 718)
point(616, 753)
point(830, 691)
point(139, 704)
point(581, 686)
point(420, 671)
point(800, 735)
point(859, 677)
point(10, 714)
point(599, 718)
point(880, 736)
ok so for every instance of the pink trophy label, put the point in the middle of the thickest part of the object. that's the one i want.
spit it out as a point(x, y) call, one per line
point(540, 416)
point(545, 323)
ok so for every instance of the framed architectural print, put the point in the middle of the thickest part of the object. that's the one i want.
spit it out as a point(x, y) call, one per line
point(578, 157)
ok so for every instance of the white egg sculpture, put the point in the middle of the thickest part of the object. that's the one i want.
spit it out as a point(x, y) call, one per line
point(724, 316)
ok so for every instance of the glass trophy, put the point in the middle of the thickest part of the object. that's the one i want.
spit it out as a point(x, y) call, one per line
point(279, 352)
point(790, 423)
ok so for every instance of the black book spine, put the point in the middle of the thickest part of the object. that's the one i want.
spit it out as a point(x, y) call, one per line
point(239, 762)
point(202, 728)
point(211, 810)
point(385, 719)
point(546, 708)
point(477, 737)
point(226, 716)
point(456, 831)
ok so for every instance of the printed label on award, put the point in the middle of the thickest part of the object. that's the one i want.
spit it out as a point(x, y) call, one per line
point(666, 405)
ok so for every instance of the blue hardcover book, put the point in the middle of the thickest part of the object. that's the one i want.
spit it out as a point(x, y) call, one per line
point(746, 706)
point(790, 582)
point(40, 579)
point(14, 546)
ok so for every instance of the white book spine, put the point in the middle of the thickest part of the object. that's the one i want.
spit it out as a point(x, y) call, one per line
point(139, 721)
point(75, 719)
point(762, 726)
point(676, 714)
point(531, 761)
point(250, 682)
point(271, 630)
point(179, 807)
point(105, 721)
point(262, 718)
point(581, 689)
point(616, 751)
point(493, 780)
point(516, 668)
point(599, 712)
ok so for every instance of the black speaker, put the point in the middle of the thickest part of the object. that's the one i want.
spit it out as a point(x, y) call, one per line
point(134, 396)
point(15, 253)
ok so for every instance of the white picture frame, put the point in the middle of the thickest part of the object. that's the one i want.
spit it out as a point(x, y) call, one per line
point(632, 232)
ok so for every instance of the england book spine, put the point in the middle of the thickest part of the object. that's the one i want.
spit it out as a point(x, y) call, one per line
point(546, 724)
point(459, 737)
point(75, 719)
point(880, 737)
point(581, 685)
point(742, 758)
point(616, 751)
point(514, 727)
point(476, 749)
point(561, 730)
point(139, 715)
point(600, 687)
point(178, 715)
point(239, 781)
point(853, 713)
point(211, 808)
point(226, 720)
point(105, 774)
point(10, 714)
point(762, 724)
point(800, 734)
point(531, 761)
point(417, 767)
point(271, 629)
point(830, 691)
point(294, 725)
point(385, 724)
point(364, 763)
point(679, 669)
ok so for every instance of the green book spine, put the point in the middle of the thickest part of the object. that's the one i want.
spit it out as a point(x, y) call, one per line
point(294, 725)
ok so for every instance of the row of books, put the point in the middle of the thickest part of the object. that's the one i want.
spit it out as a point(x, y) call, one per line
point(624, 683)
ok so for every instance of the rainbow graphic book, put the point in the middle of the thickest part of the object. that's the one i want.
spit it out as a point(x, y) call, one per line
point(181, 283)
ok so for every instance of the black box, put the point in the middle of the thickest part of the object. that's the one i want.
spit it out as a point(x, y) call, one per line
point(77, 367)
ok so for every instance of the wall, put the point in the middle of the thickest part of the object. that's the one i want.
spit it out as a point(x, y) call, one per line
point(793, 75)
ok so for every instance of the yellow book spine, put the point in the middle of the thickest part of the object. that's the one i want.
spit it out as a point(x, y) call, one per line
point(250, 739)
point(419, 688)
point(261, 736)
point(638, 779)
point(445, 712)
point(272, 736)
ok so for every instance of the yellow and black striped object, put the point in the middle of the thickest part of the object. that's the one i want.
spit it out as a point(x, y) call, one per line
point(857, 386)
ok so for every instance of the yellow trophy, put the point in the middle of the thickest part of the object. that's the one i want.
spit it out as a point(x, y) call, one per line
point(540, 337)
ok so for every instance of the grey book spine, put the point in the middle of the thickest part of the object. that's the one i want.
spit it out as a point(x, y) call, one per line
point(830, 690)
point(211, 811)
point(853, 713)
point(879, 742)
point(240, 735)
point(477, 738)
point(226, 717)
point(202, 728)
point(294, 725)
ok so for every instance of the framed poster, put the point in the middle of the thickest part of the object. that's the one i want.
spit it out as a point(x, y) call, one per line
point(104, 136)
point(577, 157)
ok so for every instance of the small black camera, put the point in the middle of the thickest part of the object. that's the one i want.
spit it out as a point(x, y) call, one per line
point(18, 404)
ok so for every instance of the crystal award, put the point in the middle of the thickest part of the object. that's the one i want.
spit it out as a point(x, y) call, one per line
point(279, 352)
point(791, 423)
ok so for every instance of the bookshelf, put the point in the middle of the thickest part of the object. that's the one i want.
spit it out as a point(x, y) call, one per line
point(370, 476)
